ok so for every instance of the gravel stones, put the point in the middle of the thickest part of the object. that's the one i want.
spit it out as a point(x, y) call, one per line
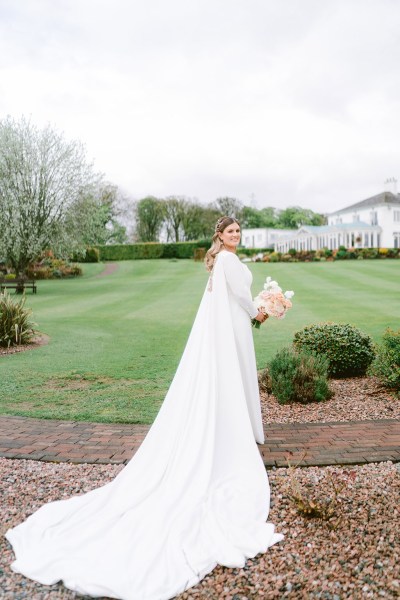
point(355, 399)
point(358, 559)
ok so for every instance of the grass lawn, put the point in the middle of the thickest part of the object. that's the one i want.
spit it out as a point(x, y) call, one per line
point(115, 341)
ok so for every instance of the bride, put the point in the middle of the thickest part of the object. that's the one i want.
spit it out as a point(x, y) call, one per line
point(196, 493)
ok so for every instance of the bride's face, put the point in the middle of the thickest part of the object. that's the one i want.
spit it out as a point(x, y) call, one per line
point(230, 236)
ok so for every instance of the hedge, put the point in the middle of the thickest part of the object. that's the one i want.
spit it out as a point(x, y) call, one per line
point(151, 250)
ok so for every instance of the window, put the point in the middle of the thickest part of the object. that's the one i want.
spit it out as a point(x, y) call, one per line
point(396, 216)
point(356, 218)
point(374, 217)
point(338, 220)
point(396, 239)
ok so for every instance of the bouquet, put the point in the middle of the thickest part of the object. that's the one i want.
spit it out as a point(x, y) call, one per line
point(272, 301)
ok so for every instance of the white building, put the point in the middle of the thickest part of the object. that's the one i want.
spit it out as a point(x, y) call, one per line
point(371, 223)
point(262, 237)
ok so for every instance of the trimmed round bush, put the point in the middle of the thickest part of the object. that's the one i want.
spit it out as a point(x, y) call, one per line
point(349, 351)
point(386, 365)
point(298, 376)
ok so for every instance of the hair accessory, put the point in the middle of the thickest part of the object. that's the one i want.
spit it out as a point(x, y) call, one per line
point(219, 223)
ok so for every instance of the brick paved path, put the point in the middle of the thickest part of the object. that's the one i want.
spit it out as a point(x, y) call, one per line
point(352, 442)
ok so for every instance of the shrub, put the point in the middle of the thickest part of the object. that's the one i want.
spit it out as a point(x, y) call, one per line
point(292, 251)
point(386, 365)
point(349, 350)
point(15, 325)
point(38, 272)
point(9, 276)
point(298, 376)
point(264, 381)
point(252, 251)
point(92, 255)
point(274, 257)
point(75, 271)
point(393, 252)
point(49, 267)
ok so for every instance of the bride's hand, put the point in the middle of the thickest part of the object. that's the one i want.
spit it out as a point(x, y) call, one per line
point(261, 316)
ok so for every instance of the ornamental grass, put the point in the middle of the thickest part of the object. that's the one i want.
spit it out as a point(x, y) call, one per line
point(16, 328)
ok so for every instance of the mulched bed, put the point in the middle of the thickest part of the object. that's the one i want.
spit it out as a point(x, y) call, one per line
point(356, 556)
point(355, 399)
point(37, 342)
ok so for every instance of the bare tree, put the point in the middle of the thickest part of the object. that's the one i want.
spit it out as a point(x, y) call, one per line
point(230, 207)
point(41, 175)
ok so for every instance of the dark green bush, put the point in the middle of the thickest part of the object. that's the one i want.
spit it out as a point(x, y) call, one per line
point(131, 251)
point(151, 250)
point(386, 365)
point(349, 350)
point(298, 376)
point(252, 251)
point(92, 255)
point(15, 325)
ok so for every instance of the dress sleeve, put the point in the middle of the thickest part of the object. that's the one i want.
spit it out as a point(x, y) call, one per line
point(237, 283)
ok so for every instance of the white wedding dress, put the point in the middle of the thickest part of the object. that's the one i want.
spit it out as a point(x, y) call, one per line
point(196, 493)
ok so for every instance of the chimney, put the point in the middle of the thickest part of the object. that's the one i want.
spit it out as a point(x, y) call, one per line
point(391, 185)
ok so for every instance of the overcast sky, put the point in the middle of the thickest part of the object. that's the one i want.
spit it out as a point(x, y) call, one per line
point(291, 102)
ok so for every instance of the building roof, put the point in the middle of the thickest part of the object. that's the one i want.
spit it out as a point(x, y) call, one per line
point(383, 198)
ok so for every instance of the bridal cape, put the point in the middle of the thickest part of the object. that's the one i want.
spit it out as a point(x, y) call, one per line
point(195, 494)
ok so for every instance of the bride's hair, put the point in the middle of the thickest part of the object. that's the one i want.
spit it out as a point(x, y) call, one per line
point(217, 245)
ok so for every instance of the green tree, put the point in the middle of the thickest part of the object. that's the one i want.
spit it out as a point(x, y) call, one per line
point(295, 216)
point(149, 217)
point(199, 221)
point(269, 218)
point(41, 176)
point(253, 217)
point(175, 209)
point(94, 216)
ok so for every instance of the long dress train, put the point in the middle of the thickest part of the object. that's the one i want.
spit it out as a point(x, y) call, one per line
point(196, 493)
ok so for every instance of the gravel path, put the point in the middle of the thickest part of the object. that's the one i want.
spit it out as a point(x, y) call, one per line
point(354, 399)
point(356, 557)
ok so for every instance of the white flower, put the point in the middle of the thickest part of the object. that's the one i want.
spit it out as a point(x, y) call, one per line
point(289, 294)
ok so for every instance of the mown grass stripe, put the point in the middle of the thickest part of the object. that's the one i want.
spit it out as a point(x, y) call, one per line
point(132, 326)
